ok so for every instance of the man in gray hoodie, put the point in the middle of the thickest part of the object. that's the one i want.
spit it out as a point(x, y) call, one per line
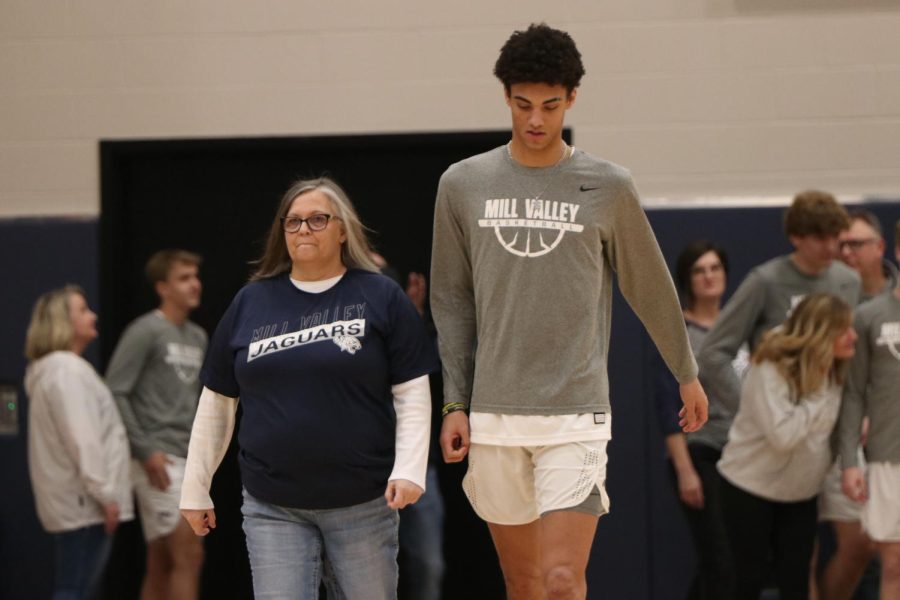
point(153, 376)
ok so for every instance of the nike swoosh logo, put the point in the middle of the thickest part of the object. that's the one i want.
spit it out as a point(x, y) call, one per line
point(583, 188)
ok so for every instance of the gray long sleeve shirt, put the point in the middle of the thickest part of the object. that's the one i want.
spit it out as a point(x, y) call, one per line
point(522, 287)
point(763, 301)
point(153, 376)
point(873, 384)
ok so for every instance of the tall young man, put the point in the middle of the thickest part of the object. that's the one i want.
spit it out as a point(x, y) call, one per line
point(526, 240)
point(153, 376)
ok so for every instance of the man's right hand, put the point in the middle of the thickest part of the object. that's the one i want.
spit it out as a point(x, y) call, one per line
point(155, 466)
point(455, 436)
point(853, 484)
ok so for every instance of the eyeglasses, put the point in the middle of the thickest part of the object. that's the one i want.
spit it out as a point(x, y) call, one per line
point(855, 244)
point(315, 222)
point(711, 270)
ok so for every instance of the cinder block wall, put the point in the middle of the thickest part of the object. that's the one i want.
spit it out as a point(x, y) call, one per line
point(697, 97)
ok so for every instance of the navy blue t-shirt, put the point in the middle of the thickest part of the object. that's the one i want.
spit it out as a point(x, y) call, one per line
point(314, 375)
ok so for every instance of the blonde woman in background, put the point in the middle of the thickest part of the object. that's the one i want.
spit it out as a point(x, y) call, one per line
point(77, 449)
point(778, 450)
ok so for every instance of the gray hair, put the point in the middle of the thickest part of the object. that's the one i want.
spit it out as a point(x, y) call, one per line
point(355, 251)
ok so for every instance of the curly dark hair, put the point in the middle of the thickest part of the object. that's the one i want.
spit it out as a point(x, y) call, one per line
point(540, 54)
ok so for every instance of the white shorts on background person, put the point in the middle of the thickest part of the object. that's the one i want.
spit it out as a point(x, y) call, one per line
point(881, 513)
point(523, 466)
point(158, 508)
point(834, 505)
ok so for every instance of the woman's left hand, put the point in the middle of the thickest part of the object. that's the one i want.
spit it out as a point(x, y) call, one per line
point(401, 493)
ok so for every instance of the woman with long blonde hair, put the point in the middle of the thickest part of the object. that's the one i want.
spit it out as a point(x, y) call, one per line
point(778, 450)
point(77, 450)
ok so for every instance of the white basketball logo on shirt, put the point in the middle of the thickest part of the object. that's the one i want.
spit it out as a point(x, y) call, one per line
point(890, 337)
point(540, 230)
point(185, 360)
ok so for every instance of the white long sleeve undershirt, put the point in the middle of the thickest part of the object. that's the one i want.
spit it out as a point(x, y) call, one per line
point(214, 425)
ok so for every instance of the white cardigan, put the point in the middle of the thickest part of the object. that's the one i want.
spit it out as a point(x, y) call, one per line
point(78, 453)
point(777, 449)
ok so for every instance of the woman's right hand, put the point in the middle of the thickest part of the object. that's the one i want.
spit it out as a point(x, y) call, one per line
point(690, 489)
point(202, 521)
point(455, 436)
point(110, 517)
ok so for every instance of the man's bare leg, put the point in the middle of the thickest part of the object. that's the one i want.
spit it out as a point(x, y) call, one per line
point(546, 558)
point(565, 542)
point(186, 551)
point(159, 565)
point(890, 570)
point(519, 552)
point(845, 569)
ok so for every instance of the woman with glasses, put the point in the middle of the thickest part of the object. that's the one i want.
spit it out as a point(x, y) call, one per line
point(701, 271)
point(778, 449)
point(77, 448)
point(330, 361)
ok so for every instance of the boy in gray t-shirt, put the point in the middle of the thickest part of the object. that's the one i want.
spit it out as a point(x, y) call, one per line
point(771, 290)
point(153, 375)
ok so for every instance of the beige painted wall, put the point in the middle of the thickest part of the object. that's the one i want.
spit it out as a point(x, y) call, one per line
point(697, 97)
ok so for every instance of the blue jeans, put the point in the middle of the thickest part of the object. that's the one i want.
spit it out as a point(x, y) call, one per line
point(286, 548)
point(80, 557)
point(422, 542)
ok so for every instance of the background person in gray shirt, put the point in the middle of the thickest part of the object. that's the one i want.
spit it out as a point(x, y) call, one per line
point(851, 566)
point(873, 389)
point(153, 375)
point(770, 291)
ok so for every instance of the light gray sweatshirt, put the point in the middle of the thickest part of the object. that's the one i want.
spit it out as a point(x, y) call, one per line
point(763, 301)
point(522, 287)
point(779, 448)
point(153, 376)
point(873, 384)
point(77, 450)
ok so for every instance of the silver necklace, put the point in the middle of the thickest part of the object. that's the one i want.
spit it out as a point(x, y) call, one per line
point(554, 170)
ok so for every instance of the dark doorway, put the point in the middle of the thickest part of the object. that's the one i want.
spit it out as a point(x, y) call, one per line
point(217, 198)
